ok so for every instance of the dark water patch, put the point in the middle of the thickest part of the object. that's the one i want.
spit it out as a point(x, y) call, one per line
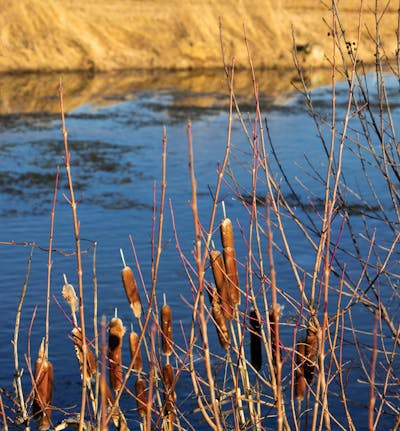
point(34, 121)
point(117, 201)
point(316, 204)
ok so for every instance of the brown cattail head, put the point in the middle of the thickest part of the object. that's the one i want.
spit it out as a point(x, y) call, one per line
point(135, 350)
point(166, 329)
point(226, 231)
point(90, 358)
point(44, 377)
point(219, 318)
point(131, 291)
point(311, 352)
point(221, 282)
point(116, 331)
point(273, 325)
point(170, 395)
point(255, 341)
point(141, 395)
point(300, 381)
point(232, 275)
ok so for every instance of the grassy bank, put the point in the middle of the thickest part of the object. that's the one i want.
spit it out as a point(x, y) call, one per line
point(36, 35)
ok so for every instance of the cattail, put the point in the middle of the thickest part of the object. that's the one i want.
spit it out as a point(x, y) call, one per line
point(220, 322)
point(228, 245)
point(255, 341)
point(226, 231)
point(90, 358)
point(166, 329)
point(68, 293)
point(140, 389)
point(221, 282)
point(232, 275)
point(311, 352)
point(300, 381)
point(135, 350)
point(170, 395)
point(116, 331)
point(273, 322)
point(44, 376)
point(131, 290)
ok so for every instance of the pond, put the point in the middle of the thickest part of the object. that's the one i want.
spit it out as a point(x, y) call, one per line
point(115, 128)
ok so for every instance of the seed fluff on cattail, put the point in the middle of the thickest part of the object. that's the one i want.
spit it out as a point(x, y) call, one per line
point(68, 293)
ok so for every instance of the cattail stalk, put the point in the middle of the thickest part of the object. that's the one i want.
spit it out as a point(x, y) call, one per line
point(131, 290)
point(221, 282)
point(116, 331)
point(44, 376)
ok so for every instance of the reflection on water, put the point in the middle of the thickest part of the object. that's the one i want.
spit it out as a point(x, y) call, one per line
point(31, 93)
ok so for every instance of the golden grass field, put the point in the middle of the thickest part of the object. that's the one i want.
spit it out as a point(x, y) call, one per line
point(41, 35)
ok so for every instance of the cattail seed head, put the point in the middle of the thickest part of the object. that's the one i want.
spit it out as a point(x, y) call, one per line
point(135, 350)
point(300, 381)
point(226, 231)
point(220, 322)
point(221, 282)
point(170, 395)
point(116, 331)
point(44, 377)
point(232, 275)
point(311, 353)
point(166, 329)
point(131, 290)
point(255, 341)
point(90, 358)
point(140, 389)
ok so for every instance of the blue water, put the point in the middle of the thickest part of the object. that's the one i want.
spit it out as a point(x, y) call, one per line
point(115, 149)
